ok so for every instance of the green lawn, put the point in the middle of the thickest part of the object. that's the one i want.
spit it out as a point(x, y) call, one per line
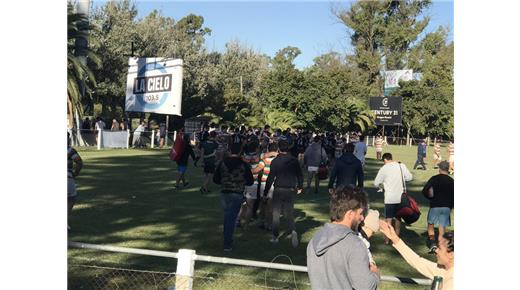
point(127, 198)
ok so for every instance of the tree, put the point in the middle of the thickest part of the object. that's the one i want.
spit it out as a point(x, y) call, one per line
point(281, 87)
point(382, 33)
point(401, 28)
point(428, 103)
point(114, 30)
point(240, 71)
point(79, 75)
point(365, 21)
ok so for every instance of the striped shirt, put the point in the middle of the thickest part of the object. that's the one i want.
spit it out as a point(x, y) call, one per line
point(253, 160)
point(437, 149)
point(265, 164)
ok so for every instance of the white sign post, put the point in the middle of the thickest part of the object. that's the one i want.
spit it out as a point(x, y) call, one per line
point(154, 85)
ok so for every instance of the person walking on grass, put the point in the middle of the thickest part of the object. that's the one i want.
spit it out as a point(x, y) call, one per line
point(421, 154)
point(360, 149)
point(314, 156)
point(233, 174)
point(436, 154)
point(263, 169)
point(347, 170)
point(440, 191)
point(451, 153)
point(252, 158)
point(336, 257)
point(287, 177)
point(208, 151)
point(162, 134)
point(391, 178)
point(379, 146)
point(182, 162)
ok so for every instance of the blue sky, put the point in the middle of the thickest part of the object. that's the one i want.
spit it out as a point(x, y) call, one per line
point(270, 26)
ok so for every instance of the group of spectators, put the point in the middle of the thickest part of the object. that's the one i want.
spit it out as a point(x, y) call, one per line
point(260, 173)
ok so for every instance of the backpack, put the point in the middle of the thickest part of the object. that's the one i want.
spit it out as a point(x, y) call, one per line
point(177, 148)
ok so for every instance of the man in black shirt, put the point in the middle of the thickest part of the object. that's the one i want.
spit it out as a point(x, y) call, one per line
point(288, 181)
point(440, 191)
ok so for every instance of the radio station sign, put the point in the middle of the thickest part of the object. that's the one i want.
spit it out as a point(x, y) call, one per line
point(388, 110)
point(154, 85)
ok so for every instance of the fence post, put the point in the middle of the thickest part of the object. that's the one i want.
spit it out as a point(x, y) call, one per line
point(127, 138)
point(185, 269)
point(99, 139)
point(153, 139)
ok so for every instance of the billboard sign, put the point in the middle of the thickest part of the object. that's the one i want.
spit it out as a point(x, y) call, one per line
point(154, 85)
point(388, 110)
point(392, 77)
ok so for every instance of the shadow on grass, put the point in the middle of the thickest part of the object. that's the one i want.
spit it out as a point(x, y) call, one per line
point(127, 198)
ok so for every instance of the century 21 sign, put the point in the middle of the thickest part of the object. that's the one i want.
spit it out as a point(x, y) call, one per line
point(153, 84)
point(388, 110)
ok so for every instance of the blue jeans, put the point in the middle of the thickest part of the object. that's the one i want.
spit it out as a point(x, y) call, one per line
point(420, 160)
point(231, 203)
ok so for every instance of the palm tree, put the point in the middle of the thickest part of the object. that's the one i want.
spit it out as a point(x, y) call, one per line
point(79, 75)
point(357, 117)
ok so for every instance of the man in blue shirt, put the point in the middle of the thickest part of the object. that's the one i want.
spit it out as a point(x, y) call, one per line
point(421, 154)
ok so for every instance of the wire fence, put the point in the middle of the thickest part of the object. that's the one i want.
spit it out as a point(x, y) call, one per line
point(142, 270)
point(82, 276)
point(99, 277)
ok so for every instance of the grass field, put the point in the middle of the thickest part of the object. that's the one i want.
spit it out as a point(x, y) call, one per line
point(127, 198)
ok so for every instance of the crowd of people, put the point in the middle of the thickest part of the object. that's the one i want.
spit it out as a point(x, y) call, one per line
point(260, 173)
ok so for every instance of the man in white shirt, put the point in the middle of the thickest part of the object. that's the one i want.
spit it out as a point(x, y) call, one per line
point(392, 177)
point(360, 149)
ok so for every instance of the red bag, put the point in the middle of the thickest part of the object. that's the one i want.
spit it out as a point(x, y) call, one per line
point(177, 148)
point(323, 172)
point(408, 209)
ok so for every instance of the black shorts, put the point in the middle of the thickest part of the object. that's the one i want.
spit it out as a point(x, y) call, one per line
point(391, 210)
point(209, 165)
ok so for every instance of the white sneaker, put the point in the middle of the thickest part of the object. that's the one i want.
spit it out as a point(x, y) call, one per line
point(274, 240)
point(294, 239)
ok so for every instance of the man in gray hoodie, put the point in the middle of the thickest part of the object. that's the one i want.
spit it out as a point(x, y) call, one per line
point(336, 257)
point(314, 156)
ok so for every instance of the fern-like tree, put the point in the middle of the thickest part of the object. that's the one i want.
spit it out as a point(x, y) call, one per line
point(80, 79)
